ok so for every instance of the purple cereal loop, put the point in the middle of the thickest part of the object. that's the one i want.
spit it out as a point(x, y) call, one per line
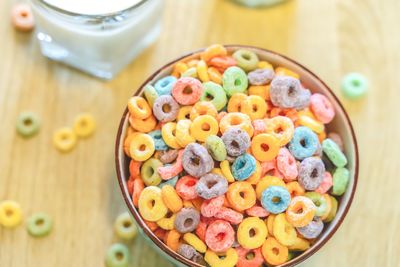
point(313, 229)
point(211, 185)
point(261, 76)
point(230, 159)
point(287, 92)
point(158, 108)
point(187, 220)
point(311, 173)
point(186, 251)
point(236, 141)
point(198, 258)
point(196, 160)
point(168, 156)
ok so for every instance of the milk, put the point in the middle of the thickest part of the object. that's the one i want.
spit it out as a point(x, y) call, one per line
point(97, 36)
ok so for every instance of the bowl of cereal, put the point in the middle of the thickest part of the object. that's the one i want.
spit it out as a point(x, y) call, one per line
point(234, 156)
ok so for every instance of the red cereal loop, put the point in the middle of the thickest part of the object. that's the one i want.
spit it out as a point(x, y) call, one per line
point(255, 261)
point(186, 187)
point(220, 236)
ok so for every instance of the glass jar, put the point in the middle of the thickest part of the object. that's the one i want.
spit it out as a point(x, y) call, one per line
point(259, 3)
point(102, 44)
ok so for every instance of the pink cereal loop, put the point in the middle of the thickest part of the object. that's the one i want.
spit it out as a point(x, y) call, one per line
point(326, 184)
point(257, 211)
point(229, 215)
point(170, 171)
point(269, 168)
point(22, 17)
point(286, 165)
point(259, 126)
point(187, 90)
point(210, 207)
point(214, 232)
point(322, 108)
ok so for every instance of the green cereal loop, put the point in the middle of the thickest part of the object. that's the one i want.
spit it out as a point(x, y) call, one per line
point(191, 72)
point(216, 147)
point(117, 256)
point(215, 94)
point(354, 85)
point(39, 224)
point(150, 94)
point(332, 150)
point(124, 227)
point(341, 178)
point(28, 124)
point(149, 173)
point(246, 59)
point(234, 80)
point(319, 201)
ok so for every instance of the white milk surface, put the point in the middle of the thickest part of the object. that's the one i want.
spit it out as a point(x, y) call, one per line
point(93, 7)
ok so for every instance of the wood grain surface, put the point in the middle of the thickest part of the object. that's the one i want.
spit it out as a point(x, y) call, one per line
point(80, 190)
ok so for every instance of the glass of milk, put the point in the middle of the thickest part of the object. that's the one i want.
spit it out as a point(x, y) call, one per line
point(99, 37)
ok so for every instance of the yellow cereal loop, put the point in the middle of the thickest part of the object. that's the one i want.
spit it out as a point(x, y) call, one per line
point(273, 252)
point(260, 90)
point(183, 136)
point(203, 126)
point(142, 147)
point(281, 71)
point(252, 233)
point(280, 127)
point(217, 171)
point(84, 125)
point(10, 214)
point(226, 171)
point(265, 147)
point(139, 108)
point(264, 65)
point(300, 244)
point(167, 223)
point(195, 242)
point(270, 224)
point(64, 139)
point(179, 68)
point(227, 259)
point(215, 75)
point(256, 176)
point(151, 206)
point(168, 133)
point(202, 71)
point(235, 102)
point(171, 198)
point(184, 113)
point(316, 126)
point(284, 232)
point(266, 182)
point(255, 107)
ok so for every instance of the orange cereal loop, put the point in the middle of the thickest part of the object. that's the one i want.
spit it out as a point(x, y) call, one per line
point(256, 176)
point(260, 90)
point(235, 102)
point(281, 71)
point(215, 75)
point(202, 71)
point(322, 136)
point(214, 50)
point(273, 252)
point(160, 233)
point(203, 108)
point(295, 189)
point(197, 202)
point(152, 225)
point(22, 17)
point(134, 168)
point(290, 113)
point(130, 130)
point(138, 187)
point(171, 199)
point(241, 196)
point(145, 125)
point(265, 147)
point(173, 240)
point(184, 113)
point(139, 108)
point(127, 143)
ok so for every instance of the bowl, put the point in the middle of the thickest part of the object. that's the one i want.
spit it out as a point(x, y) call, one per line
point(341, 124)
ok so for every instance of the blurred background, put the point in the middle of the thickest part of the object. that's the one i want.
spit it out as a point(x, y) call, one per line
point(79, 189)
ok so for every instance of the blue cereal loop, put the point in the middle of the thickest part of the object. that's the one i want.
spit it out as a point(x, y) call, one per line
point(243, 167)
point(304, 143)
point(164, 85)
point(159, 143)
point(275, 199)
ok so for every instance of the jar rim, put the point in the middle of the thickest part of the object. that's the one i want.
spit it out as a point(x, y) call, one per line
point(89, 16)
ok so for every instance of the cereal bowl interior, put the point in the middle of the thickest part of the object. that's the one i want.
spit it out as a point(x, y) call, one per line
point(340, 124)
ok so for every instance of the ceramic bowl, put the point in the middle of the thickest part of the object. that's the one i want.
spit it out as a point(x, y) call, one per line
point(341, 124)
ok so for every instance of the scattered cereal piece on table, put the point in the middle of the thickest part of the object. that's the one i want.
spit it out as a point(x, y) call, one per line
point(118, 255)
point(64, 139)
point(10, 214)
point(124, 227)
point(22, 17)
point(354, 86)
point(84, 125)
point(39, 225)
point(28, 124)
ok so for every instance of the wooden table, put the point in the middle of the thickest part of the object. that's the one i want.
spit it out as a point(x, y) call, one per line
point(79, 189)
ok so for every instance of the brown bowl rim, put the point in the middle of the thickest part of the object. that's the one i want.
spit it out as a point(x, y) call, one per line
point(305, 255)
